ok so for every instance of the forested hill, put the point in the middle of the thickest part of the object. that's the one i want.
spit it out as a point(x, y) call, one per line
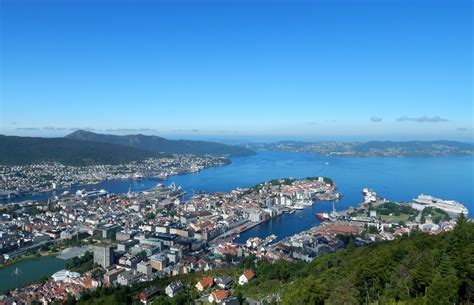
point(420, 269)
point(28, 150)
point(159, 144)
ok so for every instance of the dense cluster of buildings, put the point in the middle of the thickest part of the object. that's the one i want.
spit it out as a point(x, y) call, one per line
point(60, 287)
point(139, 237)
point(153, 233)
point(17, 181)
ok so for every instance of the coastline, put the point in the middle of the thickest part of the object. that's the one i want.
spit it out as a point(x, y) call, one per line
point(31, 256)
point(95, 183)
point(216, 161)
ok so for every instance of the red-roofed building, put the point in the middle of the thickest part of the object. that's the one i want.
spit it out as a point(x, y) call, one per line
point(246, 277)
point(148, 294)
point(205, 283)
point(218, 296)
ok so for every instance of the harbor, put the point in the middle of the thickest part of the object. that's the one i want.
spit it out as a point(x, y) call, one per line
point(292, 221)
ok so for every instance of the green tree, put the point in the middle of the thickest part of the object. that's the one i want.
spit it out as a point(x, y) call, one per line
point(422, 272)
point(162, 300)
point(372, 230)
point(445, 286)
point(182, 298)
point(308, 291)
point(239, 297)
point(122, 295)
point(343, 293)
point(150, 216)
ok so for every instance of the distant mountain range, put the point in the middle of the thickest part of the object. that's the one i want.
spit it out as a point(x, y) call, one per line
point(87, 148)
point(162, 145)
point(415, 146)
point(374, 148)
point(28, 150)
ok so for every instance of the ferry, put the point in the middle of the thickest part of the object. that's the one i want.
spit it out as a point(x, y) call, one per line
point(369, 195)
point(323, 216)
point(450, 206)
point(328, 216)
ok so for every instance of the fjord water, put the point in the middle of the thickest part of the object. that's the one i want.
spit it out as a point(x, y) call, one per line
point(117, 186)
point(397, 179)
point(394, 178)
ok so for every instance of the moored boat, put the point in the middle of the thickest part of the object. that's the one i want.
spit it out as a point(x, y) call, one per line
point(323, 216)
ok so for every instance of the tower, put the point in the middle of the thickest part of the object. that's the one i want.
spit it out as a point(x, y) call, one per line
point(103, 255)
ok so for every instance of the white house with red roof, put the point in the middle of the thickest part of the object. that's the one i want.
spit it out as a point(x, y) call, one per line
point(218, 296)
point(246, 277)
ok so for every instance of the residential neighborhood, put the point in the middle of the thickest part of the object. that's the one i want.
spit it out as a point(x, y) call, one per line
point(144, 237)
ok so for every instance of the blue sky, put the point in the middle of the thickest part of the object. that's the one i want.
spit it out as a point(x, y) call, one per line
point(240, 69)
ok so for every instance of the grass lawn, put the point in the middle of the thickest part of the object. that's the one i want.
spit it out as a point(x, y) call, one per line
point(394, 218)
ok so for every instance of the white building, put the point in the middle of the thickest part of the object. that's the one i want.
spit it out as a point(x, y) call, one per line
point(65, 276)
point(144, 268)
point(174, 288)
point(246, 277)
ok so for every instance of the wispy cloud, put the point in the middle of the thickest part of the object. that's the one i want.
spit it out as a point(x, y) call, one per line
point(422, 119)
point(28, 128)
point(376, 119)
point(186, 130)
point(130, 130)
point(85, 128)
point(313, 123)
point(463, 129)
point(54, 128)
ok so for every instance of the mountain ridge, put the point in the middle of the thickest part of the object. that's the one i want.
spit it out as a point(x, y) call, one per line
point(16, 150)
point(163, 145)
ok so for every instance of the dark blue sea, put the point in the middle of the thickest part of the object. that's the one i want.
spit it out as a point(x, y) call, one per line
point(398, 179)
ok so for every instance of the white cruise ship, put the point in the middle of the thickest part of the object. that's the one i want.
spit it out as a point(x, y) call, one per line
point(450, 206)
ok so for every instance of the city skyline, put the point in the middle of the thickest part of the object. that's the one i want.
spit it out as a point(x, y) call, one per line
point(312, 70)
